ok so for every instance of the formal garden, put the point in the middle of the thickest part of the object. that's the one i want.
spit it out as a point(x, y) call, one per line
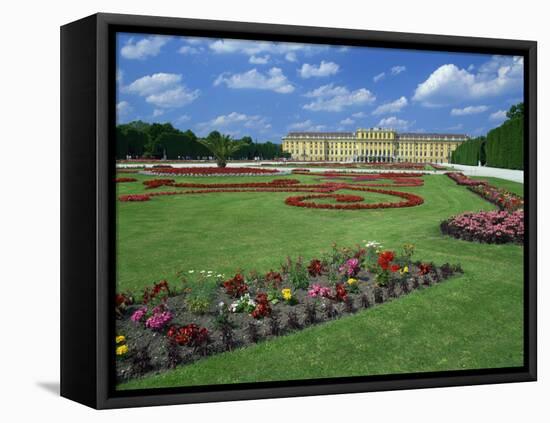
point(242, 274)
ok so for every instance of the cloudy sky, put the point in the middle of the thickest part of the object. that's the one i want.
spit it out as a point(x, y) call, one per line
point(266, 89)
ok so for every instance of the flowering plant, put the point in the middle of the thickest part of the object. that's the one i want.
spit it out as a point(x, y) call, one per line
point(315, 268)
point(134, 197)
point(190, 335)
point(159, 319)
point(317, 290)
point(424, 268)
point(121, 350)
point(263, 308)
point(351, 267)
point(236, 286)
point(244, 304)
point(352, 285)
point(493, 227)
point(386, 266)
point(118, 180)
point(341, 293)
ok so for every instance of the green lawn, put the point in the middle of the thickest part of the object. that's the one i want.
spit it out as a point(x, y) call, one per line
point(514, 187)
point(473, 321)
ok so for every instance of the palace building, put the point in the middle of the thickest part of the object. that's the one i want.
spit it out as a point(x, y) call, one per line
point(372, 145)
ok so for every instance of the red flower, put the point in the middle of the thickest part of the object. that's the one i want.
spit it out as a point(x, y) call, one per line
point(394, 267)
point(235, 287)
point(263, 309)
point(385, 258)
point(315, 268)
point(341, 293)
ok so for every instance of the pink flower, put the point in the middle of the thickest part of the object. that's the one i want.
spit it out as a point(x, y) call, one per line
point(158, 320)
point(138, 315)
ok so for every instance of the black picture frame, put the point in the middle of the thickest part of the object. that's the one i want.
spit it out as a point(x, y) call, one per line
point(87, 209)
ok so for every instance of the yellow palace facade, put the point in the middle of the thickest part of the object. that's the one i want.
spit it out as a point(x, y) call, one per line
point(372, 145)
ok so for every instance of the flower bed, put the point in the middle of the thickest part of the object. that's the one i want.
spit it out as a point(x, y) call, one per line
point(119, 180)
point(492, 227)
point(134, 197)
point(167, 329)
point(462, 179)
point(505, 200)
point(211, 171)
point(326, 190)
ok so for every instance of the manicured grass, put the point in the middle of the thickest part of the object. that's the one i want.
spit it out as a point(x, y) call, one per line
point(473, 321)
point(514, 187)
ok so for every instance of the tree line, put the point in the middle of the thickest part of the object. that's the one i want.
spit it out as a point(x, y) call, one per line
point(139, 139)
point(502, 147)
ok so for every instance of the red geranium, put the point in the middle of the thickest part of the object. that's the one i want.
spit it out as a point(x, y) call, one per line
point(394, 267)
point(341, 293)
point(190, 335)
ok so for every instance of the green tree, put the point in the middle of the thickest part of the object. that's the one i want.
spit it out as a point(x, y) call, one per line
point(516, 111)
point(221, 146)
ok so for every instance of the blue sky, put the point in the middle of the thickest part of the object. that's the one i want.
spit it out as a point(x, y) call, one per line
point(266, 89)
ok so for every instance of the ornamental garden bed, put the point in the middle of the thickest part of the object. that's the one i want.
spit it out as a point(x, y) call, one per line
point(324, 190)
point(210, 171)
point(492, 227)
point(210, 313)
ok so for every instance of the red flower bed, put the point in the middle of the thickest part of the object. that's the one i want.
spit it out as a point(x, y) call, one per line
point(155, 183)
point(503, 199)
point(134, 197)
point(462, 179)
point(212, 171)
point(437, 166)
point(301, 201)
point(492, 227)
point(117, 180)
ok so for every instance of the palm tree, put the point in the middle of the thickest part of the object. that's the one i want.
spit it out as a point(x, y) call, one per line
point(221, 146)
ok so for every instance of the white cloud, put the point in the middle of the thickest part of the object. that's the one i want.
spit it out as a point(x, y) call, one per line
point(259, 60)
point(359, 115)
point(235, 120)
point(469, 110)
point(158, 112)
point(391, 107)
point(251, 48)
point(291, 57)
point(163, 90)
point(335, 98)
point(306, 126)
point(497, 116)
point(151, 84)
point(143, 48)
point(183, 118)
point(455, 127)
point(379, 77)
point(395, 123)
point(396, 70)
point(185, 49)
point(120, 76)
point(347, 121)
point(123, 108)
point(448, 84)
point(274, 80)
point(176, 97)
point(324, 69)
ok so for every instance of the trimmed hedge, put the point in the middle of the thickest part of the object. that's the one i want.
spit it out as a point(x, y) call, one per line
point(469, 152)
point(505, 145)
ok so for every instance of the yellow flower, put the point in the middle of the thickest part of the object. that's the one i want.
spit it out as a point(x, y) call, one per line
point(404, 270)
point(120, 339)
point(287, 294)
point(121, 350)
point(352, 281)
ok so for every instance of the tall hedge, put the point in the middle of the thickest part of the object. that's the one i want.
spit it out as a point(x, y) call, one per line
point(469, 152)
point(505, 145)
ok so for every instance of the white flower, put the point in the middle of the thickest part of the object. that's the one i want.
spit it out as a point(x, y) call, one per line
point(210, 271)
point(203, 271)
point(221, 304)
point(191, 271)
point(218, 275)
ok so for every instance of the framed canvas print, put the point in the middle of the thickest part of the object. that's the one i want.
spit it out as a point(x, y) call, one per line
point(254, 211)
